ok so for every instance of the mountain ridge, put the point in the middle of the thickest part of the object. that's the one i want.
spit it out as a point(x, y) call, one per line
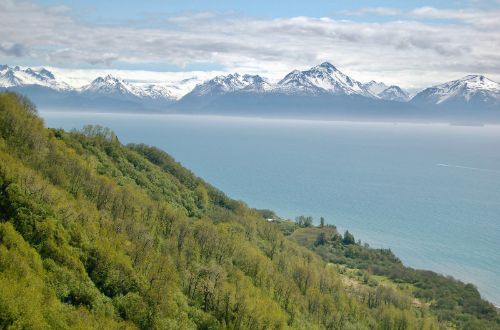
point(320, 90)
point(471, 90)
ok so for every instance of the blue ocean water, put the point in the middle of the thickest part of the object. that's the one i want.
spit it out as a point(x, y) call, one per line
point(431, 193)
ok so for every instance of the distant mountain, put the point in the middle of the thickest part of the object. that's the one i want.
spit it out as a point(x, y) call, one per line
point(375, 87)
point(319, 92)
point(107, 92)
point(394, 93)
point(324, 91)
point(390, 93)
point(207, 92)
point(114, 93)
point(471, 92)
point(16, 77)
point(256, 83)
point(111, 86)
point(229, 83)
point(321, 79)
point(108, 85)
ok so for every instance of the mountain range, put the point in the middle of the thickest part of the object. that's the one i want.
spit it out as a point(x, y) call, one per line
point(320, 91)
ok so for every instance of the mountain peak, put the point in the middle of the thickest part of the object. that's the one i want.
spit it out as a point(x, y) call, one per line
point(254, 79)
point(475, 89)
point(474, 77)
point(108, 84)
point(46, 73)
point(394, 93)
point(111, 78)
point(473, 82)
point(323, 78)
point(15, 77)
point(221, 84)
point(108, 80)
point(328, 66)
point(42, 74)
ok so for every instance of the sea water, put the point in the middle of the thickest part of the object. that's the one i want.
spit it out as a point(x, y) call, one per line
point(429, 192)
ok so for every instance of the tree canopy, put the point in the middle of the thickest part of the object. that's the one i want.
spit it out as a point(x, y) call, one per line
point(96, 234)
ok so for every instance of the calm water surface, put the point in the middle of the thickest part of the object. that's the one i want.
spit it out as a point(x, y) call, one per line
point(431, 193)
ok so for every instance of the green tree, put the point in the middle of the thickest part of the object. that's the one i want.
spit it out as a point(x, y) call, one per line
point(348, 238)
point(304, 221)
point(95, 234)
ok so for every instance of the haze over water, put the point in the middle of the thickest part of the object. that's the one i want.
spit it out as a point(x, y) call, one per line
point(431, 193)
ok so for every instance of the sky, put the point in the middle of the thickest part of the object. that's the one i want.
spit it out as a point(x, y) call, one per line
point(413, 44)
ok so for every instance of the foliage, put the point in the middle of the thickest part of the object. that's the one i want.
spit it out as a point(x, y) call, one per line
point(95, 234)
point(303, 221)
point(452, 301)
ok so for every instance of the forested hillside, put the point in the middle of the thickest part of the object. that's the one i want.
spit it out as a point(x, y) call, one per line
point(95, 234)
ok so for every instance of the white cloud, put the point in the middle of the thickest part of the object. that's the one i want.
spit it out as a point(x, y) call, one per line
point(382, 11)
point(477, 18)
point(413, 52)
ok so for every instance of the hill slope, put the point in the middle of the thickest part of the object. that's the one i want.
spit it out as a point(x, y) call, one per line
point(95, 234)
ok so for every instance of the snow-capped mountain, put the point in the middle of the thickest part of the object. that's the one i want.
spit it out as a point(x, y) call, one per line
point(375, 87)
point(107, 86)
point(256, 83)
point(156, 92)
point(321, 79)
point(389, 93)
point(114, 87)
point(15, 77)
point(108, 92)
point(220, 85)
point(230, 83)
point(320, 91)
point(394, 93)
point(110, 85)
point(471, 90)
point(112, 92)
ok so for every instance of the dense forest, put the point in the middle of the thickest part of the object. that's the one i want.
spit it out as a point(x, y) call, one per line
point(96, 234)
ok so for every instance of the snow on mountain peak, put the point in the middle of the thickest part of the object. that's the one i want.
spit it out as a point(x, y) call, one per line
point(394, 93)
point(327, 66)
point(223, 84)
point(108, 80)
point(156, 92)
point(323, 78)
point(375, 87)
point(8, 78)
point(113, 86)
point(16, 77)
point(476, 88)
point(46, 73)
point(109, 84)
point(256, 83)
point(480, 82)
